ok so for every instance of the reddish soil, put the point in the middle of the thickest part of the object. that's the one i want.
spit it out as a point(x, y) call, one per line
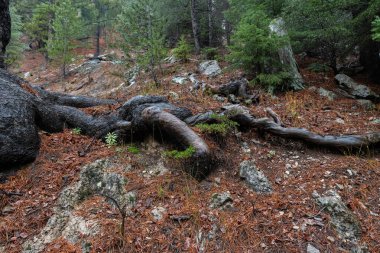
point(285, 221)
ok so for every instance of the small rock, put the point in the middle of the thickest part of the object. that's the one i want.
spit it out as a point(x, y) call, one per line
point(375, 121)
point(326, 93)
point(221, 200)
point(311, 249)
point(179, 80)
point(158, 213)
point(210, 68)
point(233, 99)
point(339, 121)
point(330, 238)
point(366, 104)
point(218, 98)
point(254, 178)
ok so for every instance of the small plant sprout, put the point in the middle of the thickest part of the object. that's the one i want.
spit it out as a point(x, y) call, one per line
point(271, 154)
point(76, 131)
point(111, 139)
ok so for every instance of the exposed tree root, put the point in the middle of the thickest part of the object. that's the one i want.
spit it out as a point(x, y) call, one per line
point(22, 113)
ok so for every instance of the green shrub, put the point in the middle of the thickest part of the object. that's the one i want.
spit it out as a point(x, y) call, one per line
point(111, 139)
point(273, 81)
point(318, 67)
point(183, 50)
point(133, 149)
point(223, 126)
point(210, 53)
point(76, 131)
point(376, 29)
point(185, 154)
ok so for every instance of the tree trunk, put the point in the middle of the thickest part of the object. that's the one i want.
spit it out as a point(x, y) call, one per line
point(5, 29)
point(195, 25)
point(210, 23)
point(97, 39)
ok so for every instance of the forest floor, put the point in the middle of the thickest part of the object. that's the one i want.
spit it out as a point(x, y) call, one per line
point(287, 220)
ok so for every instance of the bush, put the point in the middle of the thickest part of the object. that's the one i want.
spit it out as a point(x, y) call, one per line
point(183, 50)
point(376, 29)
point(210, 53)
point(255, 49)
point(273, 81)
point(318, 68)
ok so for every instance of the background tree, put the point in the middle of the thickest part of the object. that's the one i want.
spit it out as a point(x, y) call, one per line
point(67, 26)
point(141, 26)
point(322, 27)
point(15, 47)
point(5, 29)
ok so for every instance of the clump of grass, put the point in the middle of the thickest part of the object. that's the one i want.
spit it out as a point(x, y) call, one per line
point(223, 126)
point(185, 154)
point(133, 149)
point(318, 68)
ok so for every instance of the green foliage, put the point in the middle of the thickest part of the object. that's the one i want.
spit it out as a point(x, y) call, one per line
point(133, 149)
point(223, 126)
point(183, 50)
point(185, 154)
point(111, 139)
point(318, 68)
point(376, 29)
point(76, 131)
point(255, 49)
point(15, 47)
point(67, 27)
point(141, 27)
point(210, 53)
point(40, 25)
point(322, 26)
point(272, 81)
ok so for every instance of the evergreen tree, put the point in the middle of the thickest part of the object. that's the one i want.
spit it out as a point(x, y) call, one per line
point(15, 47)
point(39, 28)
point(141, 27)
point(67, 27)
point(376, 29)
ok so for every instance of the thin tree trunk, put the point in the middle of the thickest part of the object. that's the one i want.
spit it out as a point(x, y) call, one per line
point(5, 29)
point(97, 39)
point(210, 23)
point(195, 25)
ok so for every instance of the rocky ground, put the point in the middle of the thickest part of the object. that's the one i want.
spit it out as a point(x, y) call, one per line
point(267, 194)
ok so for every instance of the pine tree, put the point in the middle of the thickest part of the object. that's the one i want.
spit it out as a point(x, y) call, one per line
point(376, 29)
point(141, 27)
point(67, 26)
point(15, 47)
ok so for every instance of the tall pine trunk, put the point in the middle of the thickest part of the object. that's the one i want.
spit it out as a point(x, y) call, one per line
point(195, 25)
point(210, 23)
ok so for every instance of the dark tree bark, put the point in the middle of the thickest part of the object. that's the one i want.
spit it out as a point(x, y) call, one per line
point(210, 9)
point(5, 29)
point(25, 109)
point(195, 25)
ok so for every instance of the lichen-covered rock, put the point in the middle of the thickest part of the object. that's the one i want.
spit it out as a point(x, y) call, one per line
point(210, 68)
point(94, 180)
point(158, 213)
point(254, 178)
point(366, 104)
point(355, 89)
point(344, 221)
point(326, 93)
point(221, 200)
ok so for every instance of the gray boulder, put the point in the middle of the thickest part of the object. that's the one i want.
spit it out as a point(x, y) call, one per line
point(367, 104)
point(344, 221)
point(326, 93)
point(355, 89)
point(255, 179)
point(210, 68)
